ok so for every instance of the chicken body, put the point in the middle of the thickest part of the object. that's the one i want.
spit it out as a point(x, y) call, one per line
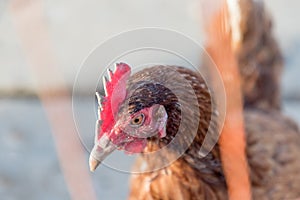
point(273, 143)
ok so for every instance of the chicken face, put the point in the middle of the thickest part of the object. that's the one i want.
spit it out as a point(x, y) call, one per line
point(118, 128)
point(143, 124)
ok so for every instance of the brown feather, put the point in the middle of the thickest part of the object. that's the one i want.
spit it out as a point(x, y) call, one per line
point(273, 144)
point(259, 57)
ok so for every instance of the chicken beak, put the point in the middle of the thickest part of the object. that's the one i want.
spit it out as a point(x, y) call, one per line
point(100, 152)
point(94, 163)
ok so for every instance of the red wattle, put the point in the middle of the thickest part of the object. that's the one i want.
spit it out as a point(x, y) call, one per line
point(136, 146)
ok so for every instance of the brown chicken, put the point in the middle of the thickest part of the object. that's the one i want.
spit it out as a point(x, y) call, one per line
point(145, 112)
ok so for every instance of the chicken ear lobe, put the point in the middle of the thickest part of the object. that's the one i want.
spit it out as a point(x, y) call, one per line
point(161, 117)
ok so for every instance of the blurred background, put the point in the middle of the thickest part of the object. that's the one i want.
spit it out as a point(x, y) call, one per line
point(43, 43)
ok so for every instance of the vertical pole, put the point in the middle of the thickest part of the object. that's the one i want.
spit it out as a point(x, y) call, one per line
point(30, 25)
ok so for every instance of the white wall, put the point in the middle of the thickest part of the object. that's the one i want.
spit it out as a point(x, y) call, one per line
point(77, 26)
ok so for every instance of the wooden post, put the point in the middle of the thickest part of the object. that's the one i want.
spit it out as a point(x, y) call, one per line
point(30, 25)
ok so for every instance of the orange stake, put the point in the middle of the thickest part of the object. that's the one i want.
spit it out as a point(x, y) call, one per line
point(28, 19)
point(232, 141)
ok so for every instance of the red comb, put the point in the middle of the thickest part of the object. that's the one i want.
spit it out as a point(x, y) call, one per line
point(115, 93)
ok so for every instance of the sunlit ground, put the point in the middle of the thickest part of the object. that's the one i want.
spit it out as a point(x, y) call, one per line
point(29, 166)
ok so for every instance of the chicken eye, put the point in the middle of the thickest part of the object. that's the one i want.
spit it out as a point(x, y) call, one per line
point(137, 120)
